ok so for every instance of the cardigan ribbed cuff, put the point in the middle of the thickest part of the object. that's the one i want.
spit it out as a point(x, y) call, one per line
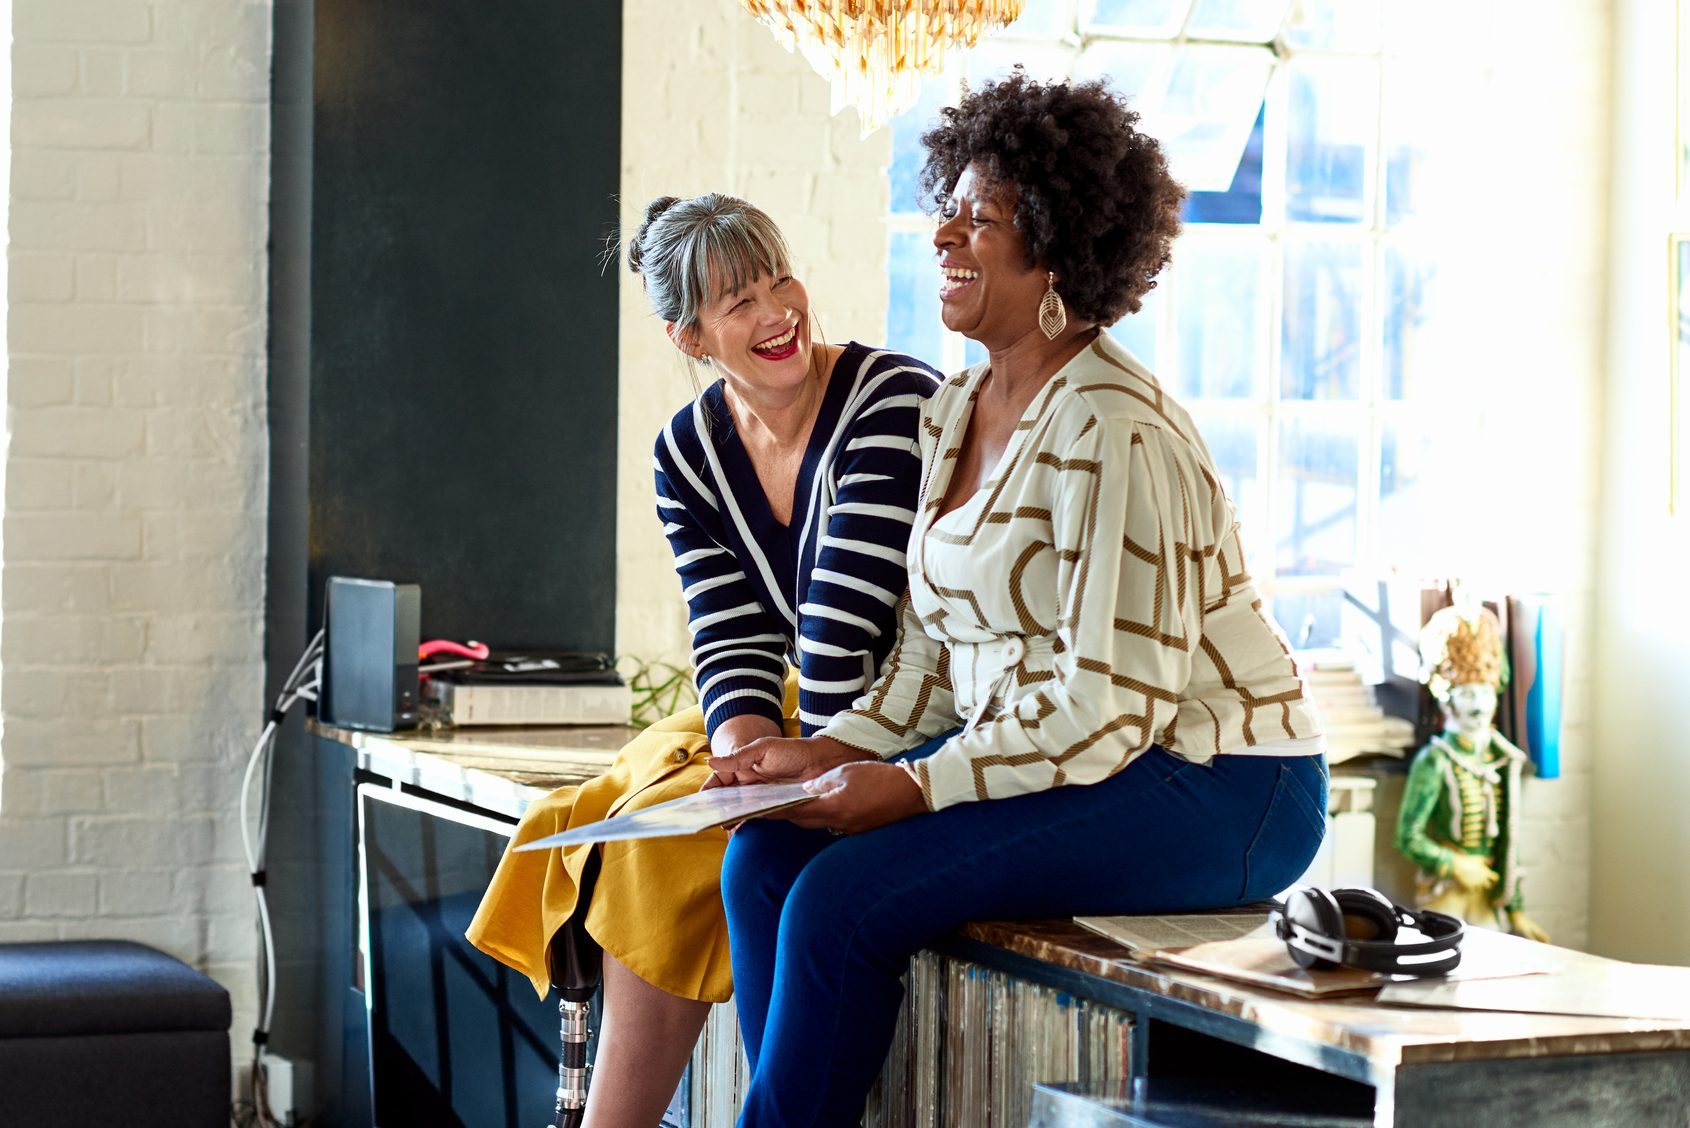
point(739, 707)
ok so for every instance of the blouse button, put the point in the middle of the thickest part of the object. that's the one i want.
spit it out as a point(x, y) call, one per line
point(1013, 651)
point(680, 755)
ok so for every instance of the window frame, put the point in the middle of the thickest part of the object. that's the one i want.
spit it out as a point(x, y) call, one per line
point(1372, 414)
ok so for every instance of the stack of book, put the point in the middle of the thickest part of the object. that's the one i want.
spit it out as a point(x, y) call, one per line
point(531, 688)
point(1349, 712)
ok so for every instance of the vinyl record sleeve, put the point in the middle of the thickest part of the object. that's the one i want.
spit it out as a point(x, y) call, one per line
point(689, 814)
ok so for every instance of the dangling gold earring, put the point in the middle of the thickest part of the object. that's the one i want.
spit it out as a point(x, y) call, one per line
point(1053, 319)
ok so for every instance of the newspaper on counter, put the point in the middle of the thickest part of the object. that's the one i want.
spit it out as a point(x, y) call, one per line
point(1243, 946)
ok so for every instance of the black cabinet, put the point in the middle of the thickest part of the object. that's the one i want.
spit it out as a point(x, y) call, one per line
point(456, 1038)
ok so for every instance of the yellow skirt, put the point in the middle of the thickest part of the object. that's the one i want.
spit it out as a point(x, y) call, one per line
point(657, 904)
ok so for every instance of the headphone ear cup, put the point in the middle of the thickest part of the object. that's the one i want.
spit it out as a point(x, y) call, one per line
point(1366, 915)
point(1314, 910)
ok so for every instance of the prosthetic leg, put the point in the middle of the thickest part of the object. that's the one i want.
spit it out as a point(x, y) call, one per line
point(577, 968)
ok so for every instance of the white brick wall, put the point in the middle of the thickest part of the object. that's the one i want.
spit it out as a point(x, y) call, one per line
point(1529, 404)
point(1640, 884)
point(131, 588)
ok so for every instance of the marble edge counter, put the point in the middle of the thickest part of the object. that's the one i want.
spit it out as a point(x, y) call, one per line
point(1386, 1036)
point(502, 770)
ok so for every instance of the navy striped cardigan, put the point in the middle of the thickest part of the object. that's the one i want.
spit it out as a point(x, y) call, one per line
point(822, 592)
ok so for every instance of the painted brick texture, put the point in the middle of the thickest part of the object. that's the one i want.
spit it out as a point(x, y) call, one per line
point(134, 526)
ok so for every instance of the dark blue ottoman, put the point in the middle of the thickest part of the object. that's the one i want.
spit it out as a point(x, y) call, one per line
point(110, 1032)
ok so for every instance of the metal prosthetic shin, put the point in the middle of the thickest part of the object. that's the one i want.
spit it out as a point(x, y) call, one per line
point(577, 967)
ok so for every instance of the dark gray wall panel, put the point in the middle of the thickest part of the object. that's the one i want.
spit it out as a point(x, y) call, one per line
point(463, 360)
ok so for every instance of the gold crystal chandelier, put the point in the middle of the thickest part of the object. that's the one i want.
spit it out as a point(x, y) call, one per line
point(875, 53)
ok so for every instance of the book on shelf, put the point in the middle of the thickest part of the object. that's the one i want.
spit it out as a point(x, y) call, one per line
point(531, 667)
point(971, 1042)
point(969, 1046)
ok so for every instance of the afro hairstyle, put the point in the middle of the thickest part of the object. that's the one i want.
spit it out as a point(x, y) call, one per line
point(1096, 203)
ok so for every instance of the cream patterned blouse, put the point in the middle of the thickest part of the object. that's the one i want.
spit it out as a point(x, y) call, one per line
point(1090, 600)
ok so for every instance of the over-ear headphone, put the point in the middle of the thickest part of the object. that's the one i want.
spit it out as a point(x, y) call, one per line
point(1358, 928)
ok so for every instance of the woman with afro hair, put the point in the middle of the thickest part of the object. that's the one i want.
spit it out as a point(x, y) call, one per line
point(1133, 735)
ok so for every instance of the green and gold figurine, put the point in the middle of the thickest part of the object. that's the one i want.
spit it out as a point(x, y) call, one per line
point(1457, 821)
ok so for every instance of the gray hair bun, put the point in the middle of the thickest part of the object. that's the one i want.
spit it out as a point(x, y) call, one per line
point(636, 245)
point(690, 251)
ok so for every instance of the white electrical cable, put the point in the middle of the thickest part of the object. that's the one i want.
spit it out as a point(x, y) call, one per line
point(269, 961)
point(285, 700)
point(304, 693)
point(294, 689)
point(247, 844)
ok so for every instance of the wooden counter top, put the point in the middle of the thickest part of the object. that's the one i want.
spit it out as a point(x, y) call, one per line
point(504, 770)
point(1383, 1036)
point(500, 769)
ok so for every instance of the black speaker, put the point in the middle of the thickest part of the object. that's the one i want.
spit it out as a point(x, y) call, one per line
point(370, 655)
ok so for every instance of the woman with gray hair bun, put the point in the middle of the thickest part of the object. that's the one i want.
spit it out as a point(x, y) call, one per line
point(786, 490)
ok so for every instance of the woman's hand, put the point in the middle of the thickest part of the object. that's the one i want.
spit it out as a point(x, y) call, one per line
point(777, 759)
point(735, 734)
point(858, 797)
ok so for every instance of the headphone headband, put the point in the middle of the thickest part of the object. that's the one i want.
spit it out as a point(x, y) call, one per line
point(1358, 928)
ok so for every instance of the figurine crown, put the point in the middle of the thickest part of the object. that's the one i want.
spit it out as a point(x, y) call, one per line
point(1459, 650)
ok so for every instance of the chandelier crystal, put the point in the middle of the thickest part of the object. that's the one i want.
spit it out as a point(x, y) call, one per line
point(874, 53)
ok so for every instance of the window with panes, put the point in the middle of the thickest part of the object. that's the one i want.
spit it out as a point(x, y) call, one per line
point(1300, 319)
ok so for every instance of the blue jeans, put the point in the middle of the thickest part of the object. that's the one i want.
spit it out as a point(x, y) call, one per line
point(822, 927)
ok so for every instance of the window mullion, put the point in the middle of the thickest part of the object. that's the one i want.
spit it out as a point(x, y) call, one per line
point(1373, 345)
point(1373, 379)
point(1274, 123)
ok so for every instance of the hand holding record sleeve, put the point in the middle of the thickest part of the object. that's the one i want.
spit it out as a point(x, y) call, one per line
point(689, 814)
point(776, 759)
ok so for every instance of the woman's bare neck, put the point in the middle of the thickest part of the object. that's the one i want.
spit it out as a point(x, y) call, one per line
point(781, 420)
point(1019, 369)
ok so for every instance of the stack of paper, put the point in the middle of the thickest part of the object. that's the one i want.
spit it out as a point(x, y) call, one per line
point(1350, 715)
point(1590, 985)
point(1243, 947)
